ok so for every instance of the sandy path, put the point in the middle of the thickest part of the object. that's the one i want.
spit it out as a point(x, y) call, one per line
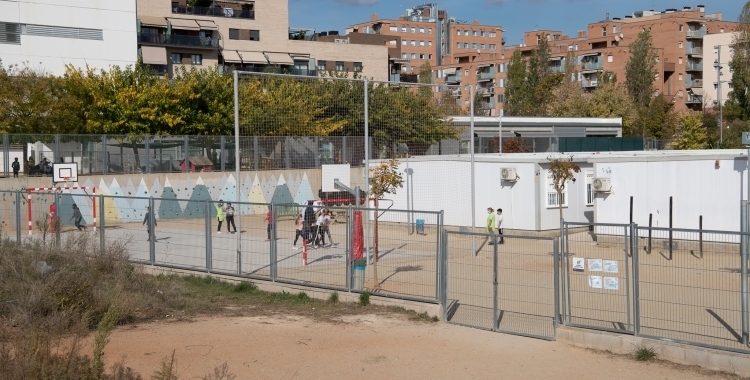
point(367, 347)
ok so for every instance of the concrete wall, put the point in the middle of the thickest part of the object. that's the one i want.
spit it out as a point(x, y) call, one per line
point(117, 19)
point(576, 209)
point(698, 187)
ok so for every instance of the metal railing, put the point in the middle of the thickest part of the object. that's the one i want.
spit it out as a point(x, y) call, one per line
point(590, 66)
point(694, 66)
point(486, 75)
point(179, 40)
point(694, 50)
point(690, 83)
point(696, 33)
point(453, 78)
point(213, 11)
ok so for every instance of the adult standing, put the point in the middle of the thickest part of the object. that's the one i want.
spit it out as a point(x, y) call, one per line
point(229, 210)
point(499, 220)
point(16, 167)
point(146, 219)
point(219, 214)
point(490, 222)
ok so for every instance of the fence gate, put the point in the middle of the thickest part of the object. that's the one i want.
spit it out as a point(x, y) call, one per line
point(507, 285)
point(597, 276)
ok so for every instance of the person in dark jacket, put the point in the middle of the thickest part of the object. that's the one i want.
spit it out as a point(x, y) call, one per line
point(146, 220)
point(77, 217)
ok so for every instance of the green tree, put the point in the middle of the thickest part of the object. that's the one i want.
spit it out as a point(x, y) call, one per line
point(658, 120)
point(640, 70)
point(739, 98)
point(425, 73)
point(612, 100)
point(384, 179)
point(517, 92)
point(692, 134)
point(563, 171)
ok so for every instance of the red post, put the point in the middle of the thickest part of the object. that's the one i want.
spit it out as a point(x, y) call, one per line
point(53, 218)
point(28, 208)
point(304, 251)
point(93, 209)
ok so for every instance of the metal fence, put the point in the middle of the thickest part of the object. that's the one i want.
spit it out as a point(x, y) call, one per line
point(507, 285)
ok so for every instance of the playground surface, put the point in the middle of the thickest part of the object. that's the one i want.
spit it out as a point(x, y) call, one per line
point(367, 347)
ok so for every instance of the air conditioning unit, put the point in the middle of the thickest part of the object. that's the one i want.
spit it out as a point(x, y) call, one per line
point(602, 185)
point(508, 174)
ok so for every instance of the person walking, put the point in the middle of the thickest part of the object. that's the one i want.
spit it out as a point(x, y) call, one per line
point(499, 220)
point(300, 228)
point(149, 217)
point(491, 222)
point(229, 211)
point(325, 227)
point(16, 167)
point(269, 221)
point(78, 217)
point(219, 214)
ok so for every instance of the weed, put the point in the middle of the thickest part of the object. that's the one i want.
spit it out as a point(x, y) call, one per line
point(364, 299)
point(220, 373)
point(333, 298)
point(245, 287)
point(645, 354)
point(168, 369)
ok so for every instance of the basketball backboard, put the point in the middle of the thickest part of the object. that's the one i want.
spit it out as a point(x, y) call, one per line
point(333, 172)
point(67, 172)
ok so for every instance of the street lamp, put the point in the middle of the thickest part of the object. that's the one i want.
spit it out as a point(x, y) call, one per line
point(718, 67)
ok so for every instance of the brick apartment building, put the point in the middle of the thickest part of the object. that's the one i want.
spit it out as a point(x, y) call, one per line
point(247, 35)
point(603, 46)
point(429, 34)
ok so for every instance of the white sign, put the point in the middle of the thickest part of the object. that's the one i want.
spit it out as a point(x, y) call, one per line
point(578, 264)
point(595, 282)
point(595, 265)
point(611, 283)
point(610, 266)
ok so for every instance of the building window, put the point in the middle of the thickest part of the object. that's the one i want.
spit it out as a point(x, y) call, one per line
point(501, 83)
point(553, 198)
point(254, 35)
point(176, 58)
point(474, 33)
point(392, 42)
point(429, 43)
point(404, 42)
point(339, 66)
point(413, 29)
point(466, 73)
point(589, 187)
point(680, 44)
point(493, 34)
point(10, 33)
point(679, 76)
point(680, 27)
point(234, 34)
point(394, 29)
point(358, 67)
point(421, 30)
point(322, 66)
point(493, 46)
point(413, 43)
point(413, 55)
point(403, 29)
point(197, 59)
point(538, 39)
point(679, 60)
point(404, 55)
point(610, 58)
point(604, 31)
point(429, 30)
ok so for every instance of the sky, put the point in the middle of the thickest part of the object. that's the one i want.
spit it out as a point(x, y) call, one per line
point(515, 16)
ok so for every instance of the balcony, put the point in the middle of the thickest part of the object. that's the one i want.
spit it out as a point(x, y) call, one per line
point(178, 40)
point(453, 78)
point(557, 69)
point(589, 83)
point(213, 11)
point(488, 91)
point(694, 66)
point(456, 93)
point(487, 75)
point(592, 66)
point(488, 105)
point(700, 33)
point(690, 83)
point(694, 51)
point(694, 99)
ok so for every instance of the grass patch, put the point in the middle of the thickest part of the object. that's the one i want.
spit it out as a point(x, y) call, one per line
point(364, 299)
point(645, 354)
point(333, 298)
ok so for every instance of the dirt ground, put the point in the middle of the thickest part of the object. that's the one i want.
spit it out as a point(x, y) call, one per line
point(367, 347)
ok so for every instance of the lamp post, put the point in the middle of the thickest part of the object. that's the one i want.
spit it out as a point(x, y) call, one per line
point(718, 67)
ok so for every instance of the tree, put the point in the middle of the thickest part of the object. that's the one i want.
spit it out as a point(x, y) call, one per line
point(658, 120)
point(517, 92)
point(425, 73)
point(739, 97)
point(384, 179)
point(692, 132)
point(515, 145)
point(562, 170)
point(640, 70)
point(612, 100)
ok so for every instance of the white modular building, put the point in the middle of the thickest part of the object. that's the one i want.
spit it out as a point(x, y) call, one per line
point(50, 34)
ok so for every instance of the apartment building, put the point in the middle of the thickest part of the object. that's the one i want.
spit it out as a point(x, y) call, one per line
point(717, 52)
point(243, 34)
point(392, 42)
point(678, 36)
point(47, 36)
point(605, 46)
point(429, 34)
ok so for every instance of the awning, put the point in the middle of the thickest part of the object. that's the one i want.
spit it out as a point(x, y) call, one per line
point(231, 56)
point(697, 91)
point(555, 58)
point(183, 24)
point(590, 54)
point(159, 22)
point(483, 65)
point(280, 58)
point(300, 57)
point(207, 25)
point(449, 71)
point(253, 57)
point(154, 55)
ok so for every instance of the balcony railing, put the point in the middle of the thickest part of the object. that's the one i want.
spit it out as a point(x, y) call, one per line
point(178, 40)
point(696, 33)
point(453, 78)
point(557, 69)
point(694, 66)
point(694, 51)
point(694, 99)
point(589, 83)
point(486, 75)
point(213, 11)
point(488, 105)
point(593, 66)
point(690, 83)
point(489, 91)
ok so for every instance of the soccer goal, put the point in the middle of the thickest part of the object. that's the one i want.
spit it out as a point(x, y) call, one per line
point(89, 193)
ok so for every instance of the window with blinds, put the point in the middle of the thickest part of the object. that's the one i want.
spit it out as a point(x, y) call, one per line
point(10, 33)
point(63, 32)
